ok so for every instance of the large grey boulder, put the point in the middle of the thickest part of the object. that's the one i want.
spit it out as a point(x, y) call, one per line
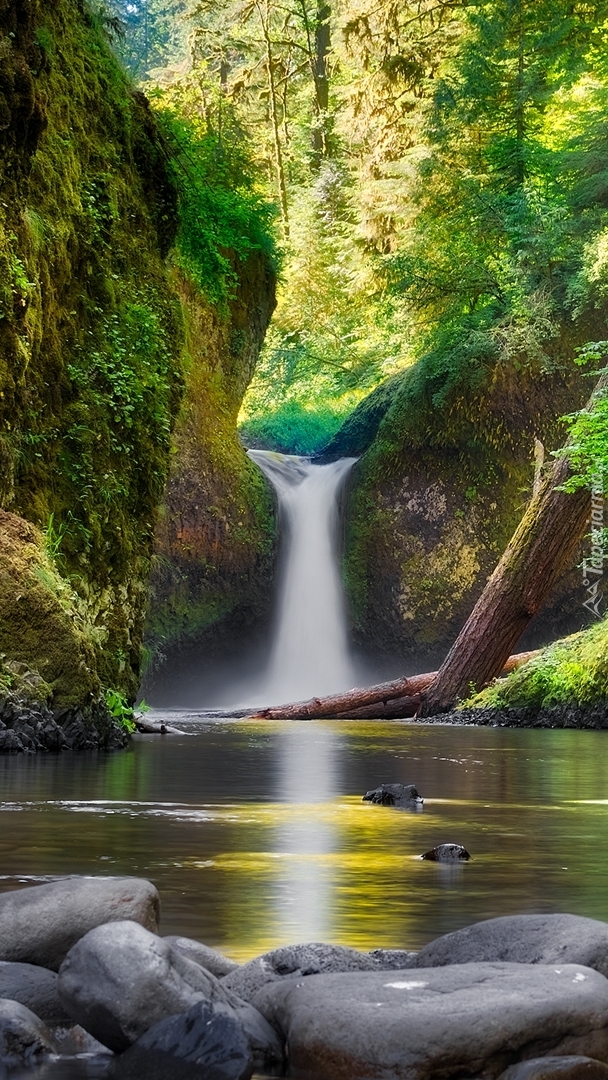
point(35, 987)
point(208, 1035)
point(557, 1068)
point(523, 939)
point(24, 1039)
point(295, 960)
point(39, 925)
point(119, 980)
point(213, 961)
point(461, 1021)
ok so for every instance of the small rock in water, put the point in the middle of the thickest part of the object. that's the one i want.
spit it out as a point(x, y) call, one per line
point(395, 795)
point(446, 853)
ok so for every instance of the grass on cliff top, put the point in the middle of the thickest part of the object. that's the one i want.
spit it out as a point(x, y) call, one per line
point(573, 671)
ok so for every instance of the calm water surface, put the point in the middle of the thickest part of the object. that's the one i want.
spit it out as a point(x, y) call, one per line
point(255, 833)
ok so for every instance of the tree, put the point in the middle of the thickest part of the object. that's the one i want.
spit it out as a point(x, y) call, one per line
point(541, 548)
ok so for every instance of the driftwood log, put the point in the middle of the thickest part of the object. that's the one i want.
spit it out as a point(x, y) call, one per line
point(388, 701)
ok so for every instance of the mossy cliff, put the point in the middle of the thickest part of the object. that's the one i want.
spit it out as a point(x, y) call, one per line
point(444, 476)
point(215, 541)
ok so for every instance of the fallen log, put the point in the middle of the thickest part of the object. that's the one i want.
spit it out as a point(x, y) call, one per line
point(389, 700)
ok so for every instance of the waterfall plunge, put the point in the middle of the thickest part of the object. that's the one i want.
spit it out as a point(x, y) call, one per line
point(309, 653)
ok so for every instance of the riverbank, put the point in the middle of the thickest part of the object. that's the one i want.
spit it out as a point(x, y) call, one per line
point(594, 717)
point(86, 981)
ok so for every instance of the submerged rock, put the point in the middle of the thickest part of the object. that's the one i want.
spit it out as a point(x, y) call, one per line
point(395, 795)
point(119, 980)
point(210, 959)
point(295, 961)
point(523, 939)
point(35, 987)
point(447, 853)
point(24, 1039)
point(40, 924)
point(459, 1021)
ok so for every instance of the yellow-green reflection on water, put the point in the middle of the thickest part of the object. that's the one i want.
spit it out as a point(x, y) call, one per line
point(256, 835)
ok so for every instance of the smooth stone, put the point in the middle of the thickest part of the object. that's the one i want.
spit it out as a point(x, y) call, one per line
point(394, 795)
point(446, 853)
point(213, 961)
point(557, 1068)
point(465, 1020)
point(120, 979)
point(523, 939)
point(39, 925)
point(292, 961)
point(208, 1035)
point(24, 1039)
point(35, 987)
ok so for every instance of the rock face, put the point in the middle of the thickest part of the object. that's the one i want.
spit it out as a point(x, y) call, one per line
point(24, 1039)
point(460, 1021)
point(39, 925)
point(215, 538)
point(523, 939)
point(210, 959)
point(424, 528)
point(35, 987)
point(119, 980)
point(207, 1035)
point(447, 853)
point(295, 960)
point(405, 795)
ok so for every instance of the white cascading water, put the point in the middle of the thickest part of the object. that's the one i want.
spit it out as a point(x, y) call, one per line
point(309, 654)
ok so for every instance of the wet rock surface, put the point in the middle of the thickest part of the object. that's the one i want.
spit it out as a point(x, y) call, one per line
point(447, 853)
point(404, 795)
point(120, 979)
point(39, 925)
point(210, 959)
point(522, 939)
point(30, 727)
point(296, 961)
point(207, 1035)
point(558, 1068)
point(461, 1021)
point(24, 1039)
point(35, 987)
point(594, 717)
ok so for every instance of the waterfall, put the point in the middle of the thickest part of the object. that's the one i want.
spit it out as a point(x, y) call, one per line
point(309, 653)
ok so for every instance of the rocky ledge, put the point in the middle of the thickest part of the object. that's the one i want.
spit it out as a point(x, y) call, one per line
point(555, 716)
point(85, 974)
point(28, 726)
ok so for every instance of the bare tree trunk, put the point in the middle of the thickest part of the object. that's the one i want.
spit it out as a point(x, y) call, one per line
point(264, 14)
point(401, 697)
point(541, 549)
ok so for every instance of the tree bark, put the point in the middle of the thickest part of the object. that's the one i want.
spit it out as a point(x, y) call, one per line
point(401, 697)
point(540, 550)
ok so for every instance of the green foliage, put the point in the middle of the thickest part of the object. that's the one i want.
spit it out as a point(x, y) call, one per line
point(120, 710)
point(571, 671)
point(223, 219)
point(293, 428)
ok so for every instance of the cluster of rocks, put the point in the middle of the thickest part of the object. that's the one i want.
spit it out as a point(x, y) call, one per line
point(84, 973)
point(28, 726)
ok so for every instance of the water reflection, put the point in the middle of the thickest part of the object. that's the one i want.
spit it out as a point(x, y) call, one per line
point(256, 834)
point(308, 775)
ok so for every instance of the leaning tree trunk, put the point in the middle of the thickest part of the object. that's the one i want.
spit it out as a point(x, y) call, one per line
point(541, 548)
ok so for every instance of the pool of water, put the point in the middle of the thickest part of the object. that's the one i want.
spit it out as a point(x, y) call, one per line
point(255, 833)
